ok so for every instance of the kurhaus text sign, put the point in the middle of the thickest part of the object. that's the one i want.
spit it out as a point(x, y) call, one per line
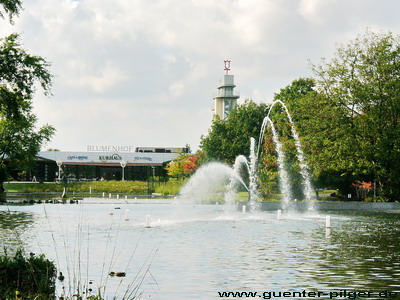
point(110, 157)
point(94, 148)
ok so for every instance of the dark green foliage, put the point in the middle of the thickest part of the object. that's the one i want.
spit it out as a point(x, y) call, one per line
point(349, 122)
point(19, 71)
point(268, 169)
point(10, 7)
point(231, 137)
point(33, 277)
point(358, 113)
point(19, 139)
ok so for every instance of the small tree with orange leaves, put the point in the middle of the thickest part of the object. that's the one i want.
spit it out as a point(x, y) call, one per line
point(183, 166)
point(363, 188)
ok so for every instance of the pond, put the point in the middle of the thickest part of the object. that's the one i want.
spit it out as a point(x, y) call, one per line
point(202, 251)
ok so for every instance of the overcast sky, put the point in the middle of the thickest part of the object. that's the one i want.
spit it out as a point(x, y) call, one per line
point(144, 72)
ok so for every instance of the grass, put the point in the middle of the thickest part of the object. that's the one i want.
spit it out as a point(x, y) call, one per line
point(171, 187)
point(136, 187)
point(327, 192)
point(242, 196)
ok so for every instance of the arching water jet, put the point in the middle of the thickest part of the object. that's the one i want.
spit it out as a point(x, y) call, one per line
point(283, 174)
point(307, 187)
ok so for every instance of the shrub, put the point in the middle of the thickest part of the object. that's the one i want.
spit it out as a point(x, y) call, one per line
point(30, 277)
point(171, 187)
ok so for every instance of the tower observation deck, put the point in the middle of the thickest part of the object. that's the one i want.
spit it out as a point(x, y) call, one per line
point(226, 98)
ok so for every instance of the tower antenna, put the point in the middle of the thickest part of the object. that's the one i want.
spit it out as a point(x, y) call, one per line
point(227, 67)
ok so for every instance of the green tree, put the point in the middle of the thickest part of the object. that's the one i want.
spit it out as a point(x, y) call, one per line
point(231, 137)
point(20, 141)
point(175, 167)
point(329, 150)
point(351, 127)
point(19, 73)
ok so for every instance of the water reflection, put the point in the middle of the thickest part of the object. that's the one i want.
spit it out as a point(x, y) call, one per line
point(13, 229)
point(362, 252)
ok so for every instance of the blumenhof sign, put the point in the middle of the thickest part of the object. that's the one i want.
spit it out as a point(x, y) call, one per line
point(109, 148)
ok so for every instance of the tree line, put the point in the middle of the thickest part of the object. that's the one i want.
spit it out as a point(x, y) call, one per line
point(20, 73)
point(347, 116)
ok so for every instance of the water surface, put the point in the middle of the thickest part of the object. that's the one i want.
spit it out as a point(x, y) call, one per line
point(194, 252)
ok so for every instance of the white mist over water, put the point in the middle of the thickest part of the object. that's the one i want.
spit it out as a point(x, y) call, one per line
point(251, 169)
point(209, 180)
point(230, 194)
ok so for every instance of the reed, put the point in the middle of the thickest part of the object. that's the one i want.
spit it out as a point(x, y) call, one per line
point(73, 278)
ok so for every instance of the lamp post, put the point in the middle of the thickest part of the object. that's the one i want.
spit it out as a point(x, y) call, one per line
point(152, 178)
point(123, 165)
point(59, 164)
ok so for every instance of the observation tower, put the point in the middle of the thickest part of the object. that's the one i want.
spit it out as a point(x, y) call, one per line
point(226, 98)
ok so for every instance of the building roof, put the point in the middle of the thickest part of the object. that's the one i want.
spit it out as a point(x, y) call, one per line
point(108, 158)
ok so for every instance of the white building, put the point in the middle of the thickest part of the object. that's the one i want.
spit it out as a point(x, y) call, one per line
point(145, 162)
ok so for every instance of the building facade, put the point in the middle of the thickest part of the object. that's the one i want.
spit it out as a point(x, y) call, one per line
point(89, 166)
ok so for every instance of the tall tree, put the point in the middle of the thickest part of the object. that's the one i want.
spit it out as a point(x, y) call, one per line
point(19, 73)
point(355, 119)
point(324, 133)
point(231, 137)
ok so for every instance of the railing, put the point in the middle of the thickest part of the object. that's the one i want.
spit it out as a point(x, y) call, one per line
point(225, 93)
point(71, 195)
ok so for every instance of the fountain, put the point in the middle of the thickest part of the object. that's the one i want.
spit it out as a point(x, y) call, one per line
point(200, 185)
point(307, 187)
point(283, 174)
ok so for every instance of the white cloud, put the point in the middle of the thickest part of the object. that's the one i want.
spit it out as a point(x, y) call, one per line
point(309, 10)
point(144, 72)
point(109, 76)
point(177, 89)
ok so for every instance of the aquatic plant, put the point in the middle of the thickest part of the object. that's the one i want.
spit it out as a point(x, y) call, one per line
point(29, 277)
